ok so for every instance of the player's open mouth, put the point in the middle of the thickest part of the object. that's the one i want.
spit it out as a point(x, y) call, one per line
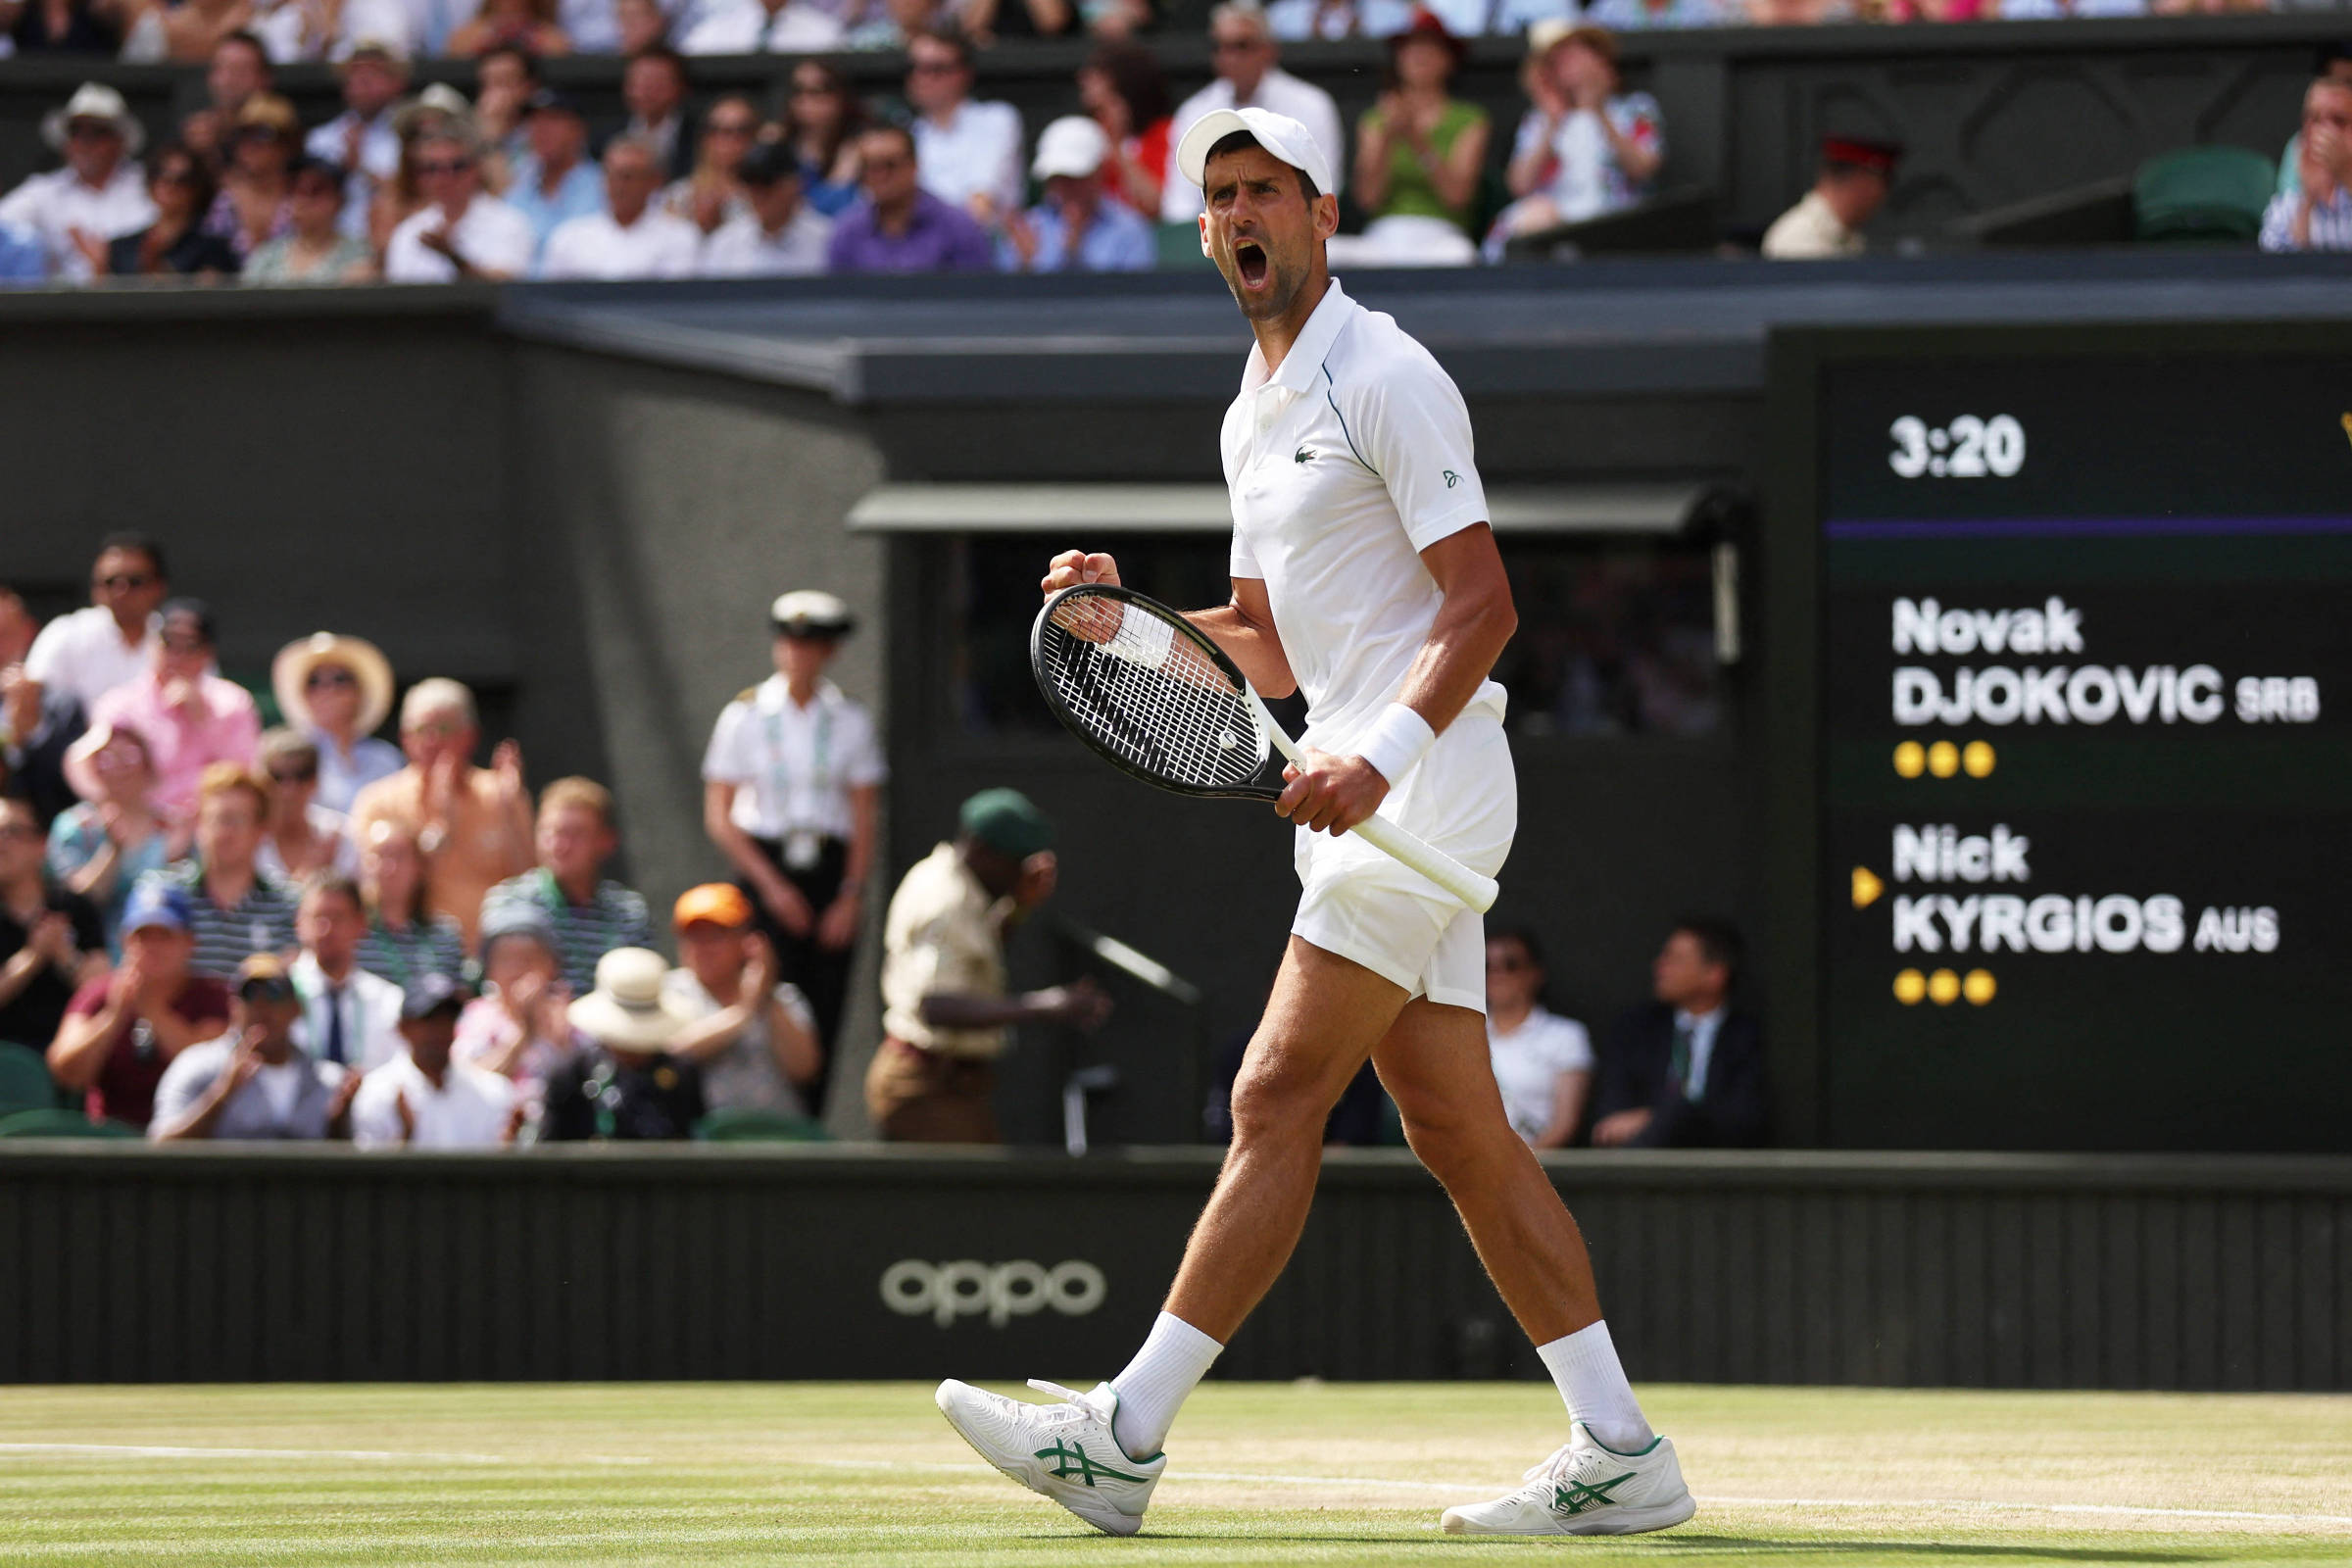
point(1249, 260)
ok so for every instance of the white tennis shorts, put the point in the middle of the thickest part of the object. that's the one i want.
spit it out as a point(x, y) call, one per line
point(1463, 798)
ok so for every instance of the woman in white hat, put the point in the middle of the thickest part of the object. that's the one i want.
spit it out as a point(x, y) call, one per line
point(99, 848)
point(792, 784)
point(337, 691)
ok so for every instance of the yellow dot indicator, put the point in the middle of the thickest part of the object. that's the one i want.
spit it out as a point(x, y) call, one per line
point(1943, 988)
point(1943, 758)
point(1977, 988)
point(1909, 987)
point(1910, 758)
point(1977, 759)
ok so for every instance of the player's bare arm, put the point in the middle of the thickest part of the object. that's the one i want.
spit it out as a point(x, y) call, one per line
point(1244, 626)
point(1330, 794)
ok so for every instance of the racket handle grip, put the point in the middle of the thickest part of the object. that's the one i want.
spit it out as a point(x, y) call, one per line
point(1443, 869)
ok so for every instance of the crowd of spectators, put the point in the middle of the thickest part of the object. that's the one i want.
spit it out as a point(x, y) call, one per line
point(431, 185)
point(211, 929)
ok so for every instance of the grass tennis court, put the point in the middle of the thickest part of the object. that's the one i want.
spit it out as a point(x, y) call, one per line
point(868, 1474)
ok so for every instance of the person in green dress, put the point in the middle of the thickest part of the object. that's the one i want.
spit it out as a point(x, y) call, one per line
point(1419, 151)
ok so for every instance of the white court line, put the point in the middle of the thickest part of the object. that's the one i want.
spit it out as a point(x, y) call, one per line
point(1948, 1504)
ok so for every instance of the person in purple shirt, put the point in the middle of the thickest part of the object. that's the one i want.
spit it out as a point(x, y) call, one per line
point(897, 226)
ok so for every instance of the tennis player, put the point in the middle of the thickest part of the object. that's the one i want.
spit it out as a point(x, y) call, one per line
point(1365, 574)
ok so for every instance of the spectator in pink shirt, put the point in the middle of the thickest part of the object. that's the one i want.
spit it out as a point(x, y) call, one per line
point(188, 714)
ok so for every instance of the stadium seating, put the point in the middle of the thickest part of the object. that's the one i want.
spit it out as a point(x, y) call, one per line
point(744, 1126)
point(2203, 194)
point(24, 1082)
point(50, 1122)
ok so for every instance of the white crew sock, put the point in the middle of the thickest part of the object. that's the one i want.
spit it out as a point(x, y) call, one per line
point(1584, 1366)
point(1156, 1383)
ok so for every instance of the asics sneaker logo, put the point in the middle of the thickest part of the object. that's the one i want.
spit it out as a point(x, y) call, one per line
point(1575, 1497)
point(1071, 1459)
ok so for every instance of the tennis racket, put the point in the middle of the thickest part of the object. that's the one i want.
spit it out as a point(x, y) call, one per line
point(1148, 690)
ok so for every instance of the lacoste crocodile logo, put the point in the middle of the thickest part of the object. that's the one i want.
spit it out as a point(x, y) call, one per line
point(1304, 454)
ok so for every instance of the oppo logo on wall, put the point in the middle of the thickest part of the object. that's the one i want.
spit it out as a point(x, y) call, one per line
point(1003, 1291)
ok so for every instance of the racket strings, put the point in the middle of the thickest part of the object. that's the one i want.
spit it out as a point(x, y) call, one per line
point(1147, 692)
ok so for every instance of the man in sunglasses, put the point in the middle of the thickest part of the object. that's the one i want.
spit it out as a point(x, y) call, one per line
point(1241, 46)
point(190, 716)
point(254, 1082)
point(90, 653)
point(462, 234)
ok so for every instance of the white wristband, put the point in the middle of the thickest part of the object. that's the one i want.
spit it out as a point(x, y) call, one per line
point(1396, 742)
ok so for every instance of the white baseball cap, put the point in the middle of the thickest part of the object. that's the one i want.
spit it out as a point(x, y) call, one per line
point(1279, 135)
point(1072, 145)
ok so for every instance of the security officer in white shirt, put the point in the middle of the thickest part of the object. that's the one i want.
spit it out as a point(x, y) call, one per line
point(1365, 575)
point(791, 788)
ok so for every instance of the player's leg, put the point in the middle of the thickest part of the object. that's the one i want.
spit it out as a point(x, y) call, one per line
point(1615, 1475)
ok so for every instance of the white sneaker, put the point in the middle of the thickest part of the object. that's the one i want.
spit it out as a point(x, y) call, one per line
point(1064, 1451)
point(1586, 1490)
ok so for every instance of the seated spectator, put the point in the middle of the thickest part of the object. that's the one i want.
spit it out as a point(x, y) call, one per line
point(255, 203)
point(404, 941)
point(422, 1099)
point(1122, 87)
point(899, 226)
point(2333, 64)
point(518, 1027)
point(236, 63)
point(1245, 53)
point(66, 28)
point(1685, 1071)
point(461, 233)
point(1420, 151)
point(188, 715)
point(713, 193)
point(315, 249)
point(946, 1008)
point(1542, 1062)
point(236, 908)
point(967, 154)
point(87, 653)
point(2317, 217)
point(513, 23)
point(505, 79)
point(1079, 226)
point(592, 914)
point(821, 127)
point(37, 726)
point(348, 1016)
point(337, 692)
point(553, 181)
point(123, 1030)
point(1304, 21)
point(99, 195)
point(254, 1082)
point(176, 244)
point(360, 141)
point(754, 1036)
point(781, 234)
point(1631, 15)
point(653, 86)
point(763, 26)
point(473, 824)
point(1585, 148)
point(627, 1085)
point(1855, 176)
point(102, 847)
point(641, 24)
point(984, 22)
point(302, 838)
point(635, 239)
point(52, 942)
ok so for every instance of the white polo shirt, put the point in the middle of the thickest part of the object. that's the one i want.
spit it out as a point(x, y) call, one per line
point(746, 28)
point(1343, 465)
point(491, 234)
point(743, 249)
point(84, 653)
point(794, 766)
point(978, 150)
point(469, 1110)
point(599, 245)
point(1180, 200)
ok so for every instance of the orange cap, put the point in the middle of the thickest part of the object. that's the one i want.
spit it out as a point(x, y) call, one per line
point(719, 903)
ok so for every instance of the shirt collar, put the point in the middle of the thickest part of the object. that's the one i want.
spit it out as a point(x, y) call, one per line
point(1696, 1021)
point(1304, 362)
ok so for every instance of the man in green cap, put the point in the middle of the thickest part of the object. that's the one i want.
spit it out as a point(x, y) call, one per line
point(944, 1009)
